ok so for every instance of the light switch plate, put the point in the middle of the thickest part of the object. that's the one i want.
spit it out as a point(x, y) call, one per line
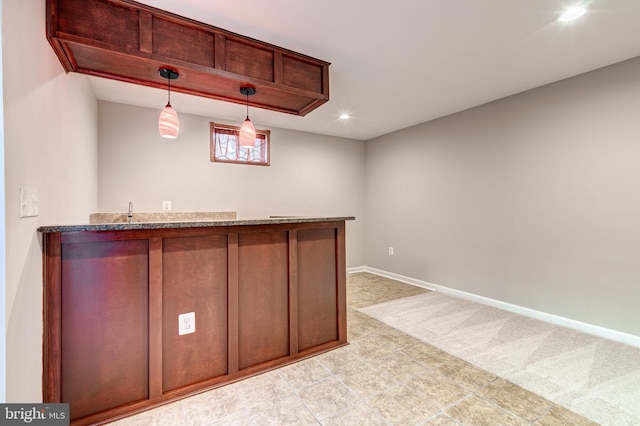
point(29, 203)
point(186, 323)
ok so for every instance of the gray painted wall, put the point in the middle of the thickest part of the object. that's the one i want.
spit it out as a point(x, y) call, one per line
point(309, 174)
point(532, 200)
point(51, 143)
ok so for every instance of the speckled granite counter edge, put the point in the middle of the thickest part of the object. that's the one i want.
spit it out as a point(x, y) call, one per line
point(194, 224)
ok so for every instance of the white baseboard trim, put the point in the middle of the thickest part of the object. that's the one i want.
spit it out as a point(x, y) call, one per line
point(595, 330)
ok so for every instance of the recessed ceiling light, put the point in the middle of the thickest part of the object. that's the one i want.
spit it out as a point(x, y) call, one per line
point(572, 13)
point(344, 116)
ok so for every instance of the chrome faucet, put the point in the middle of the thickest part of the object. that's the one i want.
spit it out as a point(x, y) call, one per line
point(130, 214)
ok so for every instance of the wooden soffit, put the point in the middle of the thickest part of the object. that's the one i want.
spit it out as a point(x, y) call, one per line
point(128, 41)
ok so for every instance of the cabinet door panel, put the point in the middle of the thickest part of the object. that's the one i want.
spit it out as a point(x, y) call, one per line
point(317, 291)
point(194, 275)
point(104, 320)
point(263, 297)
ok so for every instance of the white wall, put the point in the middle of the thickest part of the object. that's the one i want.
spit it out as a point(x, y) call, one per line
point(309, 174)
point(50, 145)
point(532, 200)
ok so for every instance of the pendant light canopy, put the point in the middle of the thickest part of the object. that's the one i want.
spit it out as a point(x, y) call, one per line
point(247, 131)
point(169, 124)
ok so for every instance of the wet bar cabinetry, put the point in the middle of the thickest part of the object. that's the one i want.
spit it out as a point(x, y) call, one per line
point(265, 293)
point(129, 41)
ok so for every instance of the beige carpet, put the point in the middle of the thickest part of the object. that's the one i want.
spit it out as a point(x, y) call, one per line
point(595, 377)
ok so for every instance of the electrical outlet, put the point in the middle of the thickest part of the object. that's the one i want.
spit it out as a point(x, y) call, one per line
point(29, 203)
point(186, 323)
point(390, 251)
point(166, 206)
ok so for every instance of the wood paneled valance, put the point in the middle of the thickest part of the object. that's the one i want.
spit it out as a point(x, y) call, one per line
point(128, 41)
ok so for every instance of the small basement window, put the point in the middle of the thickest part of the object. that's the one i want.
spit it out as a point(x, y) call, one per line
point(225, 146)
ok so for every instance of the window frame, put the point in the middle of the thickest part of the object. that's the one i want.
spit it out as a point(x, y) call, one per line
point(262, 134)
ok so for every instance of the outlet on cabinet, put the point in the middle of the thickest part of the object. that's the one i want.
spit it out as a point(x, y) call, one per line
point(186, 323)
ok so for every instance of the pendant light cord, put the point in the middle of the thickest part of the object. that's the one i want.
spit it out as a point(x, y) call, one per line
point(247, 105)
point(169, 100)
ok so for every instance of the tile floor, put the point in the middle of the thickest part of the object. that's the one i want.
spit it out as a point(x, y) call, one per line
point(384, 377)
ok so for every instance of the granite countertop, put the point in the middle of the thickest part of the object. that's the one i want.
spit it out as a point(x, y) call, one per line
point(274, 220)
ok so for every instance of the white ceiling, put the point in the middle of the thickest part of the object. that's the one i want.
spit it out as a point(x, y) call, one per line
point(399, 63)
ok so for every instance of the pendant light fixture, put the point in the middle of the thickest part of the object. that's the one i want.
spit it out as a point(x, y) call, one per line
point(169, 124)
point(247, 131)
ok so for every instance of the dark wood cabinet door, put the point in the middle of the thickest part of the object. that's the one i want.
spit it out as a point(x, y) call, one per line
point(317, 291)
point(104, 319)
point(263, 289)
point(194, 279)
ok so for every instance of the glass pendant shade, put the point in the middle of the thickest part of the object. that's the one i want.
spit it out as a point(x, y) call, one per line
point(169, 124)
point(247, 131)
point(247, 134)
